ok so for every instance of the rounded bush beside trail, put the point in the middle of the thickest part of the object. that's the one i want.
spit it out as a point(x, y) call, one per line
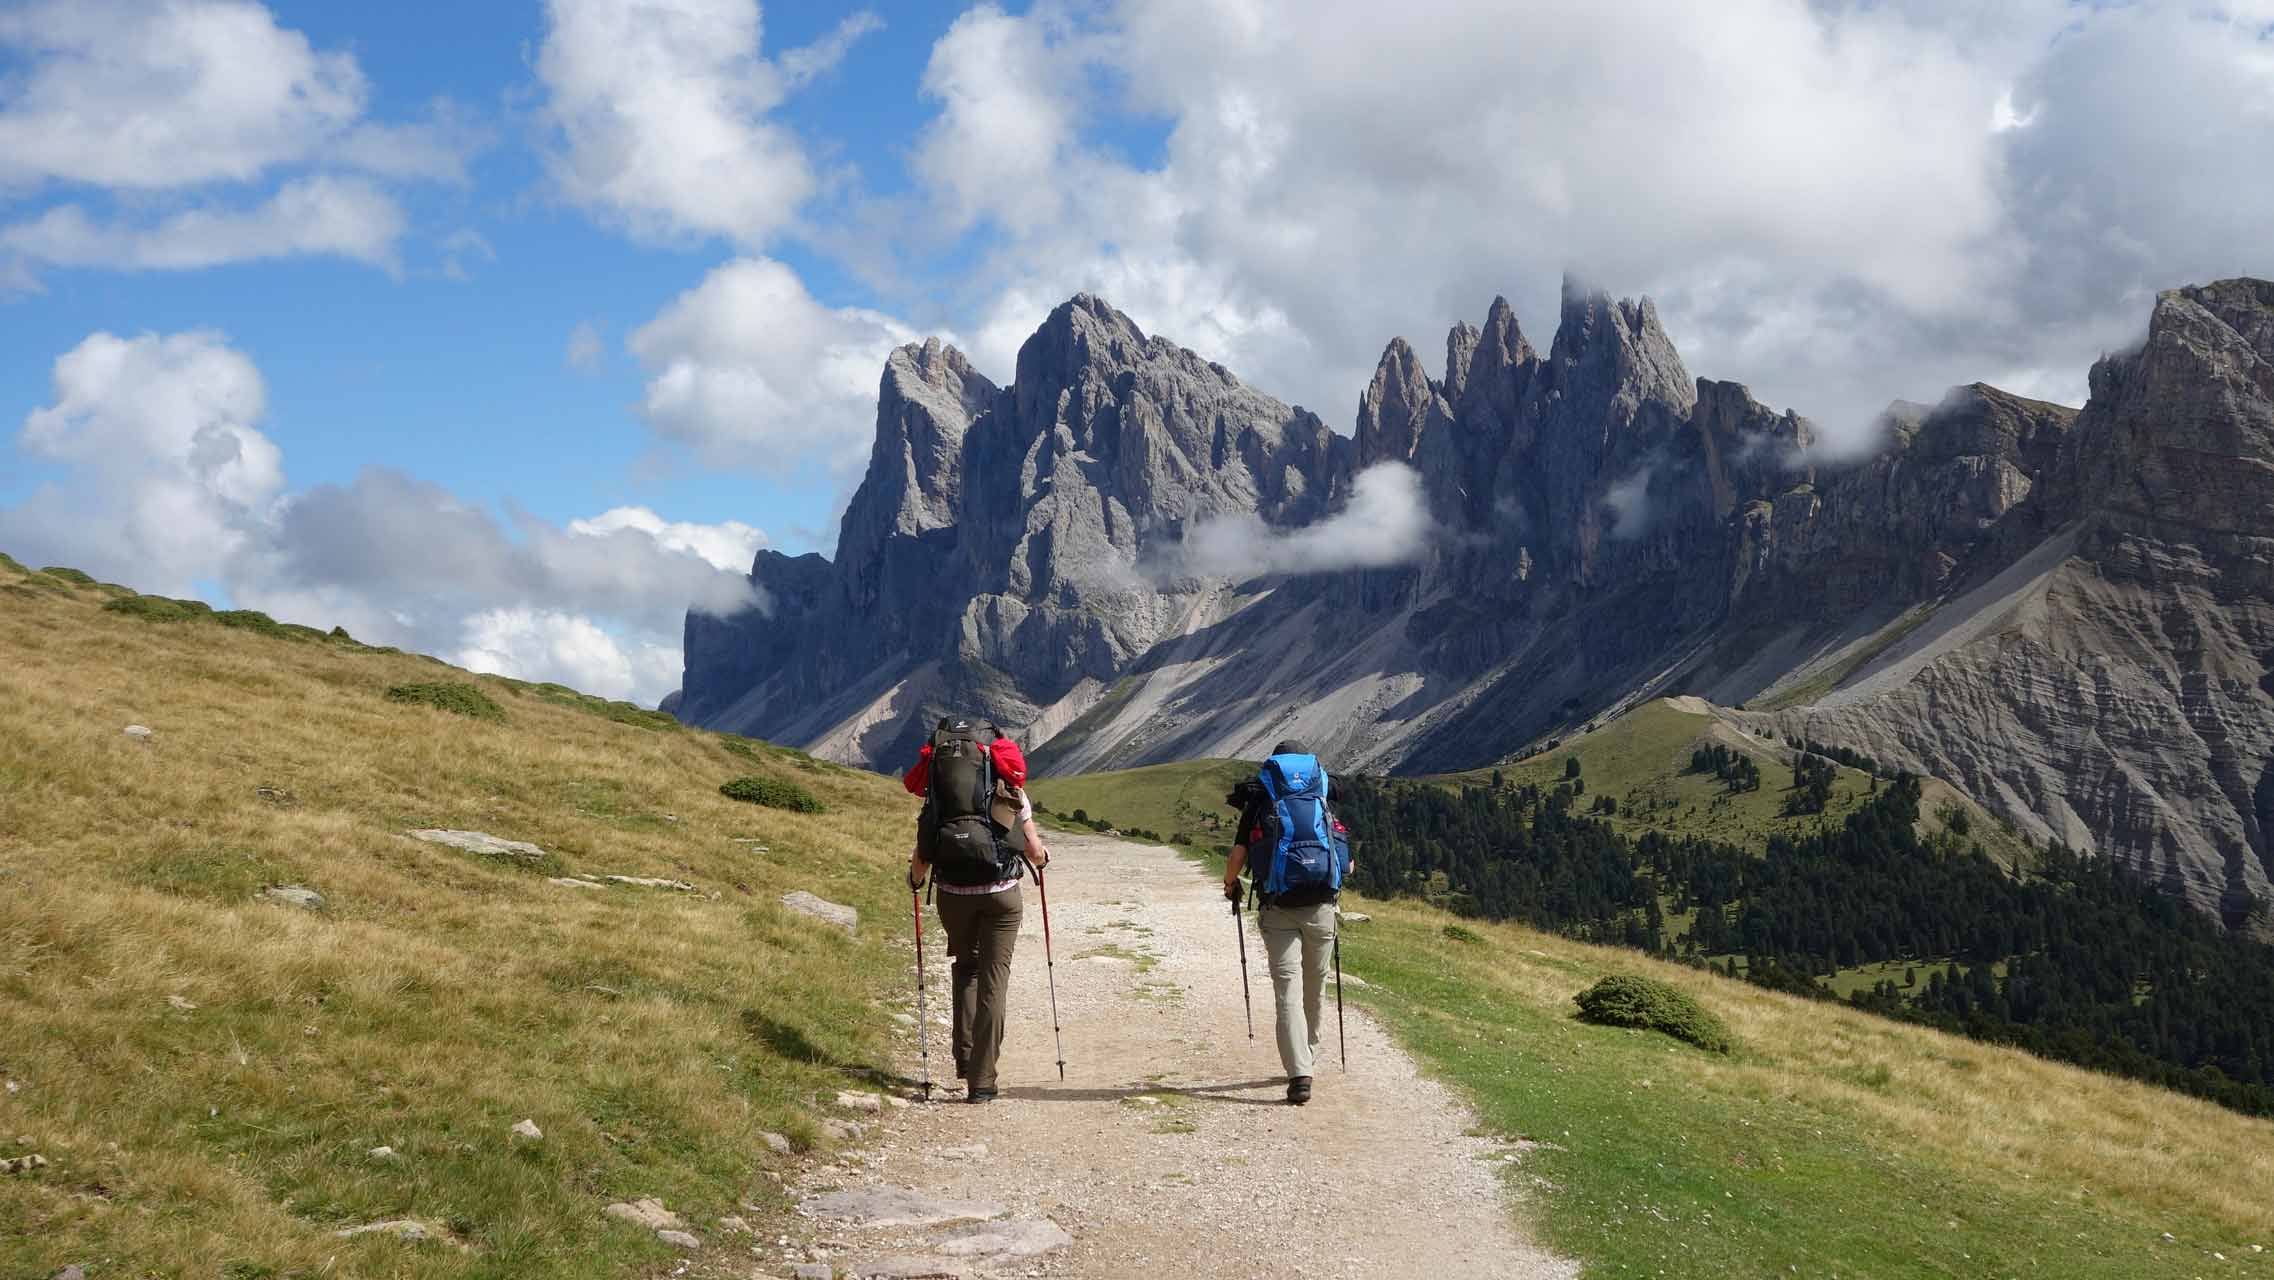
point(771, 792)
point(459, 699)
point(1629, 1001)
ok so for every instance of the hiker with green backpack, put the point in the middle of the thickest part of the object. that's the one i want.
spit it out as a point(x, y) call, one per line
point(1296, 856)
point(975, 838)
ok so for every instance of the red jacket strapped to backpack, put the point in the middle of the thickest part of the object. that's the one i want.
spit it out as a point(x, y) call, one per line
point(1010, 766)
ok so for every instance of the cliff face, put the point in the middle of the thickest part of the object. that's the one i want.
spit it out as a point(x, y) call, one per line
point(2064, 613)
point(2114, 686)
point(991, 558)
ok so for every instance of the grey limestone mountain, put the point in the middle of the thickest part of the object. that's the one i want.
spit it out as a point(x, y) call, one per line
point(2070, 616)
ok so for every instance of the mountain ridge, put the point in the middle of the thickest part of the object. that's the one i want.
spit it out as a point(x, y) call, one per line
point(1606, 528)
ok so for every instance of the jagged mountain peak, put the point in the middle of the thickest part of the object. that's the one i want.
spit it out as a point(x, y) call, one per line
point(2181, 432)
point(1395, 410)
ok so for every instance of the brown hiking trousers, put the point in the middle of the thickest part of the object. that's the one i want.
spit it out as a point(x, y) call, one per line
point(982, 929)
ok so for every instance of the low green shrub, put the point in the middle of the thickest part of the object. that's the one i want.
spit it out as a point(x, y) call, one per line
point(1625, 1000)
point(459, 699)
point(73, 576)
point(253, 620)
point(1460, 933)
point(743, 747)
point(771, 792)
point(10, 562)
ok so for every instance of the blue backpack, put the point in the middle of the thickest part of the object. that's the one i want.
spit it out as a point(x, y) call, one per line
point(1308, 853)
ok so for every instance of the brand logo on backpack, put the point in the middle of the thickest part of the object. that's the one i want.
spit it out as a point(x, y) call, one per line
point(958, 832)
point(1309, 854)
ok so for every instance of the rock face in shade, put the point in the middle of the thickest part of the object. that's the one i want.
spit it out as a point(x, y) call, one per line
point(2065, 614)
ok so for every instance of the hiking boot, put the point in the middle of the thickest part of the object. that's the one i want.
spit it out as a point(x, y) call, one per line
point(1298, 1091)
point(977, 1094)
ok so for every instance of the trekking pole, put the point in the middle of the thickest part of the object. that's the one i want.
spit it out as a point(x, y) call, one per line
point(1050, 963)
point(923, 1023)
point(1240, 928)
point(1341, 1034)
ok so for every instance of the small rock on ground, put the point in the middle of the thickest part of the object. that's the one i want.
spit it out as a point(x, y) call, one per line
point(294, 895)
point(23, 1164)
point(400, 1228)
point(836, 913)
point(139, 732)
point(73, 1272)
point(859, 1101)
point(895, 1207)
point(679, 1240)
point(483, 843)
point(528, 1129)
point(648, 1213)
point(811, 1271)
point(776, 1143)
point(381, 1153)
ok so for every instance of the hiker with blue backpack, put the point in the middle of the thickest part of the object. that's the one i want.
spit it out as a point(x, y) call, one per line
point(1296, 855)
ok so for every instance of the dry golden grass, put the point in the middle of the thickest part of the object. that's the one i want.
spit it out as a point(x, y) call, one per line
point(438, 998)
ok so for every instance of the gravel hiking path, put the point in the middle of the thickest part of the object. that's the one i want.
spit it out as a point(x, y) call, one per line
point(1152, 1153)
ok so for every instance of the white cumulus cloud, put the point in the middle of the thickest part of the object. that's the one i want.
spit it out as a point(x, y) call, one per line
point(749, 368)
point(167, 483)
point(532, 644)
point(168, 473)
point(1836, 203)
point(662, 115)
point(731, 545)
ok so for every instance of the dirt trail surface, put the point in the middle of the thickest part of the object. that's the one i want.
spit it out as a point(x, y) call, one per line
point(1151, 1157)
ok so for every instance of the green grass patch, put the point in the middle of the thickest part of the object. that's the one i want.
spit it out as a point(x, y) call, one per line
point(1624, 1000)
point(73, 576)
point(1659, 1161)
point(1166, 800)
point(11, 563)
point(772, 793)
point(452, 696)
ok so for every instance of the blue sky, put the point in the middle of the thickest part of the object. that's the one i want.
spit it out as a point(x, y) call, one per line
point(507, 331)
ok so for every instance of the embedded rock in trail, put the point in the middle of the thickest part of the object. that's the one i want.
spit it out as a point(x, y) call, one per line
point(895, 1207)
point(1012, 1238)
point(293, 895)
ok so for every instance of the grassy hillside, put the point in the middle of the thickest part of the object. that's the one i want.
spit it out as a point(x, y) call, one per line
point(1830, 1143)
point(205, 1071)
point(1642, 760)
point(1185, 799)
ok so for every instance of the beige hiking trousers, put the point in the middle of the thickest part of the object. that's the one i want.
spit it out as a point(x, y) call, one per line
point(1298, 941)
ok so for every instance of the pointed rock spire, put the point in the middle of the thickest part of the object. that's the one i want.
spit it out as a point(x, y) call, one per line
point(1395, 407)
point(1460, 349)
